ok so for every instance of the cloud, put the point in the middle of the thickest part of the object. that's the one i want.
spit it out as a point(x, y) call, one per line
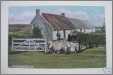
point(98, 20)
point(21, 18)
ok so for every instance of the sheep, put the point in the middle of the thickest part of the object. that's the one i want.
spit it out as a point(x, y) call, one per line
point(61, 47)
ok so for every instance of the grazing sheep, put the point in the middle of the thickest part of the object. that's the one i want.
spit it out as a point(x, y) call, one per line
point(61, 47)
point(50, 47)
point(58, 46)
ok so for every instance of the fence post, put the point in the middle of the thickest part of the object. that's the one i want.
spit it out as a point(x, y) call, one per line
point(12, 45)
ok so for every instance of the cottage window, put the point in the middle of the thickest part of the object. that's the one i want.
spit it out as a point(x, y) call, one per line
point(58, 35)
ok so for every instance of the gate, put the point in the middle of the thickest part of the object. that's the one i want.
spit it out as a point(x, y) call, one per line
point(29, 44)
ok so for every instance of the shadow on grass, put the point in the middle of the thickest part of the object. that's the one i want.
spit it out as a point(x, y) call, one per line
point(19, 52)
point(16, 52)
point(82, 50)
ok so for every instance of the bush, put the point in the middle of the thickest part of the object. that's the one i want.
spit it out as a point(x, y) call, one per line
point(9, 43)
point(37, 32)
point(90, 40)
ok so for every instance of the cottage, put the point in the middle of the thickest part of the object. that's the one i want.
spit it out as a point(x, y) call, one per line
point(52, 26)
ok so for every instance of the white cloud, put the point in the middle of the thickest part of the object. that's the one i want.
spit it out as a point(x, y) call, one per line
point(21, 18)
point(98, 20)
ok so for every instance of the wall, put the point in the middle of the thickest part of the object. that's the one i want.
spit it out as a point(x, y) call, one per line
point(55, 34)
point(67, 32)
point(43, 26)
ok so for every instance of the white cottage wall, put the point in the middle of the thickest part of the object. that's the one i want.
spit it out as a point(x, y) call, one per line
point(55, 34)
point(67, 33)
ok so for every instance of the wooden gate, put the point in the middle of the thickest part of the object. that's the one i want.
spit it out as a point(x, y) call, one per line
point(29, 44)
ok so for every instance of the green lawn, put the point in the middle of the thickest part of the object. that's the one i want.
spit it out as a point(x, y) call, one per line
point(90, 58)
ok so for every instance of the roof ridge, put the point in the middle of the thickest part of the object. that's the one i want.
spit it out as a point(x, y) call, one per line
point(52, 14)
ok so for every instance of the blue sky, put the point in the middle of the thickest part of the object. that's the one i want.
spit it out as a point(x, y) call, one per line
point(94, 14)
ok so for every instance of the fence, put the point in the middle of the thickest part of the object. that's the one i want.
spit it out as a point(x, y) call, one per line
point(29, 44)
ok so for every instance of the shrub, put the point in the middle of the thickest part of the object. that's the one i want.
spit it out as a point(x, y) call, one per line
point(37, 32)
point(90, 39)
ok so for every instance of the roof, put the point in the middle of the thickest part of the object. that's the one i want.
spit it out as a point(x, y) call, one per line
point(58, 22)
point(81, 23)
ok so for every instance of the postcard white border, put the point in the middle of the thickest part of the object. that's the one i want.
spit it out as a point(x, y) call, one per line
point(4, 38)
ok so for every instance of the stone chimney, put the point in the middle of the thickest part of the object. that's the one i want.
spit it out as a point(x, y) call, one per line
point(37, 12)
point(63, 14)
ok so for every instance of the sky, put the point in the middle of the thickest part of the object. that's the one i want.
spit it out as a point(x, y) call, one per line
point(23, 15)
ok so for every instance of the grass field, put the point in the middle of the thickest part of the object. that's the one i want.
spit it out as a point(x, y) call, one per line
point(90, 58)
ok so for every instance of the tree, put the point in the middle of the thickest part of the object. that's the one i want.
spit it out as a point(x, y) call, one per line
point(37, 33)
point(103, 28)
point(99, 39)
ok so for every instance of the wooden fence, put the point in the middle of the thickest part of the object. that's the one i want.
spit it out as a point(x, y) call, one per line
point(29, 44)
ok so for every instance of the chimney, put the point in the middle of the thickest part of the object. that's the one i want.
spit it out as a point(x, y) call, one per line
point(37, 12)
point(63, 14)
